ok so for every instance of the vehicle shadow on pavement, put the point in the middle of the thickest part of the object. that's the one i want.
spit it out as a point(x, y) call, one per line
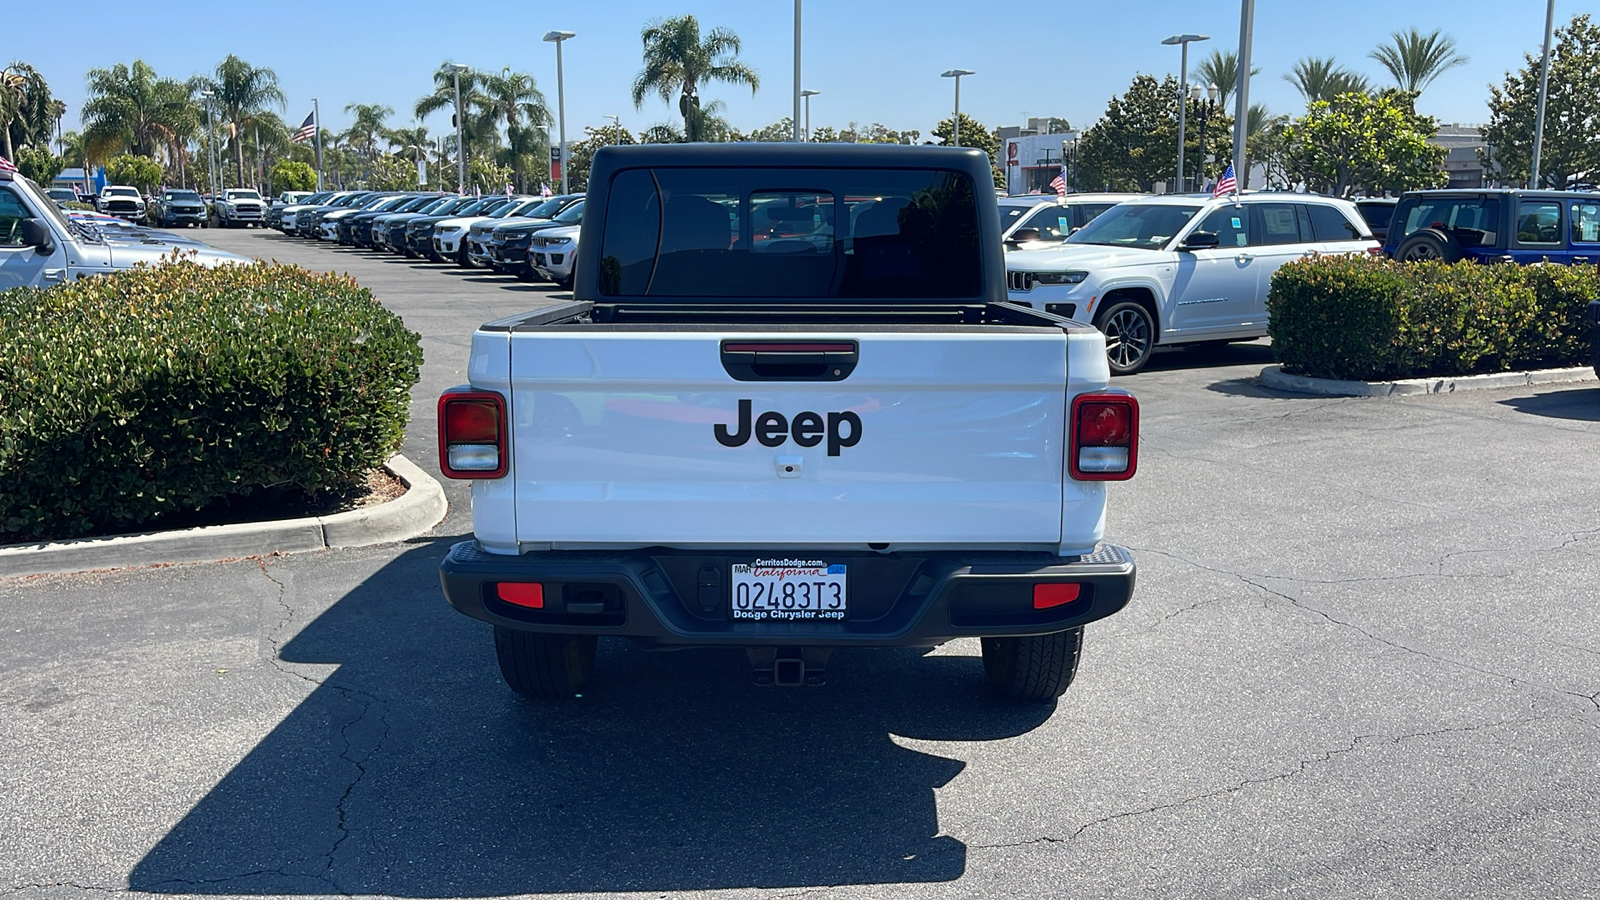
point(1581, 404)
point(413, 771)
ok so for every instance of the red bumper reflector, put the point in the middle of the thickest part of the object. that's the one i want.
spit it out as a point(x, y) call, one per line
point(532, 595)
point(1046, 596)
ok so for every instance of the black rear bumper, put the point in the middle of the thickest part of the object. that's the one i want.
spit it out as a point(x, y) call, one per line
point(681, 598)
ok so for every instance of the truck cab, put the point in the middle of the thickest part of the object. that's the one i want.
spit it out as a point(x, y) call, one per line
point(39, 246)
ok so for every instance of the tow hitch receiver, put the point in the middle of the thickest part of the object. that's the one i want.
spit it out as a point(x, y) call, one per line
point(788, 666)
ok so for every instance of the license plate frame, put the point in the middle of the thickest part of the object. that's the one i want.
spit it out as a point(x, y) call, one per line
point(788, 590)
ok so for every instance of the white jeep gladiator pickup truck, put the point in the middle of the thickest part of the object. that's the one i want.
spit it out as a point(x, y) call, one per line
point(788, 409)
point(239, 208)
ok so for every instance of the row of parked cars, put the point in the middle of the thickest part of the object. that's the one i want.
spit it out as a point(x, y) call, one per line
point(533, 238)
point(1195, 270)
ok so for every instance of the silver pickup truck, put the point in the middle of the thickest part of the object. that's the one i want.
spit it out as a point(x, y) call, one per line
point(40, 246)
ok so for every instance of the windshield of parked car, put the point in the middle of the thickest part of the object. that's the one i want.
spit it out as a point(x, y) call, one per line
point(388, 204)
point(54, 212)
point(544, 209)
point(120, 192)
point(486, 205)
point(572, 215)
point(1145, 226)
point(1010, 213)
point(191, 196)
point(243, 195)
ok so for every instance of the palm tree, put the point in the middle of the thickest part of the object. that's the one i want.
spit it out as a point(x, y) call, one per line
point(364, 132)
point(27, 111)
point(1222, 69)
point(1323, 79)
point(515, 98)
point(481, 128)
point(677, 59)
point(1416, 59)
point(240, 97)
point(130, 109)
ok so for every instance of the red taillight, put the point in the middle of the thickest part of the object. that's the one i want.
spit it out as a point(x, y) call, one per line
point(1105, 437)
point(520, 594)
point(1048, 596)
point(472, 434)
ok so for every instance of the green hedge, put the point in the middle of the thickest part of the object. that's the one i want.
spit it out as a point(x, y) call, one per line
point(1369, 319)
point(128, 399)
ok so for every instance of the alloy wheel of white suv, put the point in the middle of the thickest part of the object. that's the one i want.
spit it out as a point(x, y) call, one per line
point(1130, 336)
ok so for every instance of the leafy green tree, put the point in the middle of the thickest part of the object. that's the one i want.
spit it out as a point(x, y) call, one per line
point(390, 172)
point(661, 134)
point(1134, 145)
point(973, 134)
point(367, 129)
point(139, 171)
point(580, 154)
point(677, 60)
point(1319, 78)
point(241, 96)
point(28, 113)
point(487, 176)
point(1221, 68)
point(39, 164)
point(1362, 142)
point(1572, 114)
point(515, 99)
point(1415, 59)
point(781, 130)
point(289, 175)
point(131, 109)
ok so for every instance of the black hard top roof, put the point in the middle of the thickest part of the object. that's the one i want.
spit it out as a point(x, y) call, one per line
point(790, 155)
point(1503, 192)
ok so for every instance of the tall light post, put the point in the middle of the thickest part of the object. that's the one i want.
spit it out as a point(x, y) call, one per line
point(808, 94)
point(1241, 93)
point(616, 128)
point(461, 132)
point(558, 38)
point(1544, 88)
point(1183, 41)
point(956, 74)
point(798, 93)
point(211, 140)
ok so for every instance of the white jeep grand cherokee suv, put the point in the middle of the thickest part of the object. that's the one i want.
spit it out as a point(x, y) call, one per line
point(1181, 269)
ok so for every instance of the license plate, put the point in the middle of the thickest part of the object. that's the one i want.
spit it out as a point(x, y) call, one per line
point(788, 590)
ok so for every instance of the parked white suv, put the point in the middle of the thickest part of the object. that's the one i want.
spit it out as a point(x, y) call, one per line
point(1035, 221)
point(1181, 269)
point(122, 201)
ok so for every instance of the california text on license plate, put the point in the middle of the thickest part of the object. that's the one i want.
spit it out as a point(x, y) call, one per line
point(794, 590)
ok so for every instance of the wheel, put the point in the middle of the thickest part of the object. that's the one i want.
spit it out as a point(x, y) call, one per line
point(1130, 333)
point(462, 259)
point(1032, 668)
point(525, 274)
point(544, 665)
point(206, 223)
point(564, 283)
point(1429, 244)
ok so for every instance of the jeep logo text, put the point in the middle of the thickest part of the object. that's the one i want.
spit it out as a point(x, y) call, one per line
point(843, 429)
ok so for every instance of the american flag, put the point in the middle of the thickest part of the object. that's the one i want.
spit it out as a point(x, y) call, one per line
point(6, 166)
point(1225, 184)
point(544, 190)
point(1059, 183)
point(308, 128)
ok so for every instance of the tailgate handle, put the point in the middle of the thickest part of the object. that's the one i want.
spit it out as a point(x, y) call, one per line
point(790, 360)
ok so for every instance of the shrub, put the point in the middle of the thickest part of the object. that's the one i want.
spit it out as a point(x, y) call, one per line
point(127, 399)
point(139, 171)
point(1374, 319)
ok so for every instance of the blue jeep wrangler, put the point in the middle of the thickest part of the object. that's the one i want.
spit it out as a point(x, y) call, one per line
point(1523, 227)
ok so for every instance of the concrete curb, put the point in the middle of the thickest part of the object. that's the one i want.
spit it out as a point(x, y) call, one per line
point(421, 507)
point(1274, 377)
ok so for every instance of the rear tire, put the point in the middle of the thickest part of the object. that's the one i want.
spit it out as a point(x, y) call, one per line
point(544, 666)
point(1032, 668)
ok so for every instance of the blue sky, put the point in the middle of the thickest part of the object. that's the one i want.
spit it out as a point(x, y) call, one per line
point(873, 61)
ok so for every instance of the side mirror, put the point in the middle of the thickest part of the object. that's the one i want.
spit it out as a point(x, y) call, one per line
point(35, 235)
point(1200, 240)
point(1022, 235)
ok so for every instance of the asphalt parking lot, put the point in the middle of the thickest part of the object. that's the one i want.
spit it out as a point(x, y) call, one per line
point(1363, 660)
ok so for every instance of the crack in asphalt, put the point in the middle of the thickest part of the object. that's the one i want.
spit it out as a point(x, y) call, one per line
point(1332, 619)
point(1301, 766)
point(39, 886)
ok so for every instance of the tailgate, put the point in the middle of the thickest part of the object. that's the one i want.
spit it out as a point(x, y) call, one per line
point(645, 438)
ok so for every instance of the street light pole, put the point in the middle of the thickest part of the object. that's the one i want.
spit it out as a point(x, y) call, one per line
point(461, 133)
point(558, 38)
point(798, 93)
point(616, 126)
point(1183, 41)
point(211, 140)
point(1544, 88)
point(956, 74)
point(808, 94)
point(1241, 102)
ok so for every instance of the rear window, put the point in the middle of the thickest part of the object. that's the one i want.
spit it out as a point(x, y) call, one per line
point(1329, 224)
point(1472, 221)
point(775, 233)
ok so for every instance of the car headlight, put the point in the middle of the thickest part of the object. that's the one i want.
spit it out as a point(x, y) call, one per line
point(1059, 277)
point(557, 242)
